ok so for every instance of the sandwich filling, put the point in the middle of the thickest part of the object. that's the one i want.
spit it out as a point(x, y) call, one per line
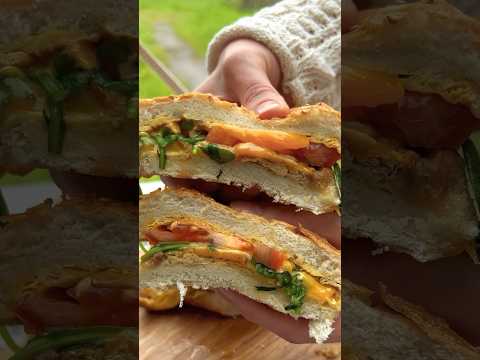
point(58, 74)
point(224, 143)
point(95, 300)
point(275, 265)
point(415, 119)
point(106, 342)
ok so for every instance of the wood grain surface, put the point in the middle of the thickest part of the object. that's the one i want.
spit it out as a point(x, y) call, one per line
point(194, 334)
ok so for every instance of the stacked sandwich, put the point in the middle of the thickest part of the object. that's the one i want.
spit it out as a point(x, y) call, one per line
point(67, 275)
point(68, 102)
point(190, 241)
point(411, 171)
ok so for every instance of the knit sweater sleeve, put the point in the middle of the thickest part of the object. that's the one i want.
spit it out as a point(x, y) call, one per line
point(305, 36)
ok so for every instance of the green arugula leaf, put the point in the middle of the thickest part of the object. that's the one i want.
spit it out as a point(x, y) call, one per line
point(217, 153)
point(265, 288)
point(132, 107)
point(53, 114)
point(291, 283)
point(296, 292)
point(76, 81)
point(61, 339)
point(472, 165)
point(163, 248)
point(3, 205)
point(64, 64)
point(8, 340)
point(19, 88)
point(53, 87)
point(4, 96)
point(186, 125)
point(192, 140)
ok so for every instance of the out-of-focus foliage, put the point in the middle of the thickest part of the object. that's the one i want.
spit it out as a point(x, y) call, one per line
point(194, 21)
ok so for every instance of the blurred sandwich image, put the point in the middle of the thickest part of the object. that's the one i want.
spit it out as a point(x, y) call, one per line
point(378, 325)
point(294, 160)
point(69, 276)
point(190, 241)
point(69, 90)
point(410, 168)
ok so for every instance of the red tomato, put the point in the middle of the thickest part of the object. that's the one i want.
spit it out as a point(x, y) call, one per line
point(269, 257)
point(318, 155)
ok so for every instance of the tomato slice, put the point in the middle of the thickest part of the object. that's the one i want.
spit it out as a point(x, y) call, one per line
point(269, 257)
point(318, 155)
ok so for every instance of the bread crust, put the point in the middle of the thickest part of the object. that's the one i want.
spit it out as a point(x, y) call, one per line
point(284, 178)
point(149, 205)
point(440, 43)
point(58, 245)
point(319, 121)
point(418, 319)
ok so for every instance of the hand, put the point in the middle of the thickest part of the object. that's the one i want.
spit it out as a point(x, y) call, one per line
point(295, 331)
point(74, 184)
point(248, 73)
point(349, 15)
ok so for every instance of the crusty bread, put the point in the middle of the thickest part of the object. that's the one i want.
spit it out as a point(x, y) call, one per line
point(282, 185)
point(204, 273)
point(319, 121)
point(310, 251)
point(311, 190)
point(427, 33)
point(403, 201)
point(58, 245)
point(22, 19)
point(155, 300)
point(395, 329)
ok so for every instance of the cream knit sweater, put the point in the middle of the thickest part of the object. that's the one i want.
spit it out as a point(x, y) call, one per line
point(305, 36)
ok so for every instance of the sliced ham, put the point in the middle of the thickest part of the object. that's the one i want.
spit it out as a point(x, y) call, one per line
point(92, 306)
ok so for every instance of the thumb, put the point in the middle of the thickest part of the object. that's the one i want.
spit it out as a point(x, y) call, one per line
point(256, 92)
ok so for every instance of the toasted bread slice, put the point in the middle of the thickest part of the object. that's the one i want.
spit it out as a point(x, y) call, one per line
point(261, 156)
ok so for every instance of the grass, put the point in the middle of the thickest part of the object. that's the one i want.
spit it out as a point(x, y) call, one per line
point(195, 21)
point(36, 176)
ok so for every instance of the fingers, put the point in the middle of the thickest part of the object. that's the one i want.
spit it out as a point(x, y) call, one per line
point(326, 225)
point(73, 184)
point(248, 73)
point(349, 15)
point(290, 329)
point(257, 93)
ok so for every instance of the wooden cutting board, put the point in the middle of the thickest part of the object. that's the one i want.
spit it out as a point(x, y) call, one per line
point(194, 334)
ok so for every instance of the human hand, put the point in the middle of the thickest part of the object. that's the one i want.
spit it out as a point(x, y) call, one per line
point(248, 73)
point(74, 184)
point(292, 330)
point(349, 15)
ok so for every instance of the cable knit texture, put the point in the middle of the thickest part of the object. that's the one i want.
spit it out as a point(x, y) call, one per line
point(305, 36)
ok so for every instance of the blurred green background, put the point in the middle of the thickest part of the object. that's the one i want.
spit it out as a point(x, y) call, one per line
point(194, 22)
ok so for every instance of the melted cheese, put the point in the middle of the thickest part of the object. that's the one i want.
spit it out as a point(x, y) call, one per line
point(154, 299)
point(369, 88)
point(270, 139)
point(321, 293)
point(236, 256)
point(252, 151)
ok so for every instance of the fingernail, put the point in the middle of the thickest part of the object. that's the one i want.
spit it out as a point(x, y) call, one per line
point(267, 106)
